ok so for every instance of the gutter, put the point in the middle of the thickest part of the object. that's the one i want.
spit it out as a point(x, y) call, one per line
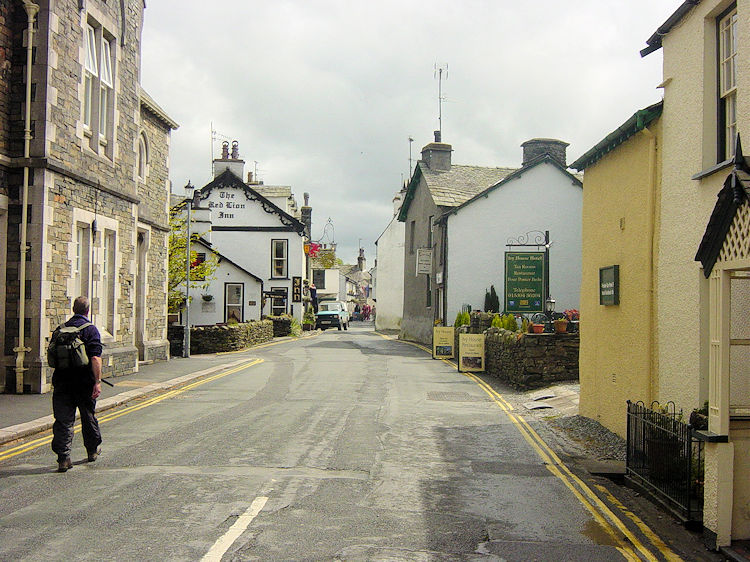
point(654, 42)
point(31, 11)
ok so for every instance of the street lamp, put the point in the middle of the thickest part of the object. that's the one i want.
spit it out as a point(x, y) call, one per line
point(549, 308)
point(189, 190)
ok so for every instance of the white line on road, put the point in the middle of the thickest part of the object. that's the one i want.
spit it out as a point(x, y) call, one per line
point(242, 523)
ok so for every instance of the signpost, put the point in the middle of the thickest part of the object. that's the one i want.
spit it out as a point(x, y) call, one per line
point(470, 352)
point(524, 282)
point(443, 342)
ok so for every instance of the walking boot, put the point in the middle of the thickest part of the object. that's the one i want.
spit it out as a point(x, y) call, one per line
point(64, 464)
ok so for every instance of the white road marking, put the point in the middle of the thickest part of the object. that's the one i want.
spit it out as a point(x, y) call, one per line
point(243, 522)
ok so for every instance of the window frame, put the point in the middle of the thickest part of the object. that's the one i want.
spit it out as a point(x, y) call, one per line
point(284, 299)
point(99, 87)
point(726, 34)
point(108, 298)
point(227, 304)
point(284, 260)
point(141, 157)
point(82, 260)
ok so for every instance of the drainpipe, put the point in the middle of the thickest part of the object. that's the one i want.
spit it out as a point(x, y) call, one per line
point(651, 229)
point(31, 11)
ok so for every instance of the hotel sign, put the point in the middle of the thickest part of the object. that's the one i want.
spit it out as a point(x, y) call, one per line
point(609, 285)
point(524, 281)
point(424, 261)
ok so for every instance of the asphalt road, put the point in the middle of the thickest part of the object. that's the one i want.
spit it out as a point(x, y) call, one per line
point(344, 446)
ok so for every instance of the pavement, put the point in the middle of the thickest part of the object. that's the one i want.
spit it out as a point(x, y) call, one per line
point(22, 415)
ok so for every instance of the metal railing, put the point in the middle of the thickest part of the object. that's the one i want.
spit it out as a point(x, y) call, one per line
point(665, 458)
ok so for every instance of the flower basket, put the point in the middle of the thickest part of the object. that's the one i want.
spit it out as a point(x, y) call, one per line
point(537, 328)
point(207, 298)
point(561, 326)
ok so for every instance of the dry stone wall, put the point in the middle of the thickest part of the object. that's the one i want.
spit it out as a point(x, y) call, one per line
point(215, 339)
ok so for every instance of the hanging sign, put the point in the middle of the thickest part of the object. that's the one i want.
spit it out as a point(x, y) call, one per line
point(424, 261)
point(296, 289)
point(470, 352)
point(609, 285)
point(443, 339)
point(524, 281)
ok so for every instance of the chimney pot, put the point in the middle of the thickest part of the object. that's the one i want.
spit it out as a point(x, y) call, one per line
point(535, 148)
point(225, 150)
point(235, 150)
point(438, 136)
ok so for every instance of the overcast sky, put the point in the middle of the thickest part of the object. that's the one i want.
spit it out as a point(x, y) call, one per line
point(323, 95)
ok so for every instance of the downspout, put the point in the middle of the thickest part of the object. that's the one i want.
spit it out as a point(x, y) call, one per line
point(651, 231)
point(31, 11)
point(444, 252)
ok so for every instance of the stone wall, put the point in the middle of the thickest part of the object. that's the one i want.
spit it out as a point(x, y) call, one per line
point(215, 339)
point(282, 325)
point(533, 360)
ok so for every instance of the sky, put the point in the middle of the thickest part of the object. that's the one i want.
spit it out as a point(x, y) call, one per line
point(323, 95)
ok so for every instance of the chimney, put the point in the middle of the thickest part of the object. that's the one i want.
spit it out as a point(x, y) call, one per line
point(361, 259)
point(535, 148)
point(232, 163)
point(437, 155)
point(306, 215)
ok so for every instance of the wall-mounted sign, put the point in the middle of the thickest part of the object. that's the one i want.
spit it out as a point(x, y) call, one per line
point(439, 277)
point(296, 289)
point(227, 206)
point(470, 352)
point(443, 342)
point(524, 281)
point(609, 285)
point(424, 261)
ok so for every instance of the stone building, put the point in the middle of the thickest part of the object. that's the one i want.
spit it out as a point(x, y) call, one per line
point(96, 159)
point(436, 186)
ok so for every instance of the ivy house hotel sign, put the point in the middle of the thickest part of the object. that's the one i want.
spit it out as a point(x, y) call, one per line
point(524, 281)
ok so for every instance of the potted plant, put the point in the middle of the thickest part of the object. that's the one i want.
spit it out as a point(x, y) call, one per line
point(537, 328)
point(561, 325)
point(207, 297)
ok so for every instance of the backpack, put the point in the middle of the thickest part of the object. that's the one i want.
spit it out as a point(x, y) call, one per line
point(66, 349)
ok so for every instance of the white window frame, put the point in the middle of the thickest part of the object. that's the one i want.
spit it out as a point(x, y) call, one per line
point(228, 304)
point(727, 37)
point(283, 260)
point(107, 297)
point(82, 260)
point(98, 88)
point(282, 308)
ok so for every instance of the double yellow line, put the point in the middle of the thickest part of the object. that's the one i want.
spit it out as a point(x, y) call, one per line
point(41, 441)
point(628, 544)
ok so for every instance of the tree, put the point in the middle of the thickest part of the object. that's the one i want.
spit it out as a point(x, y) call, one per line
point(200, 273)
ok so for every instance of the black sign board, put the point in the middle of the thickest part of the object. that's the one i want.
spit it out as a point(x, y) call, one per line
point(609, 285)
point(296, 289)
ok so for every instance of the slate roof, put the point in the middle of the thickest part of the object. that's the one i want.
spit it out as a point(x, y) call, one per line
point(450, 188)
point(733, 195)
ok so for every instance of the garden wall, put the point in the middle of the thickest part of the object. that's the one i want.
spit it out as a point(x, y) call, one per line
point(215, 339)
point(533, 360)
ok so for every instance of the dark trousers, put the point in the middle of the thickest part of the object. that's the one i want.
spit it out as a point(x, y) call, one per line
point(65, 401)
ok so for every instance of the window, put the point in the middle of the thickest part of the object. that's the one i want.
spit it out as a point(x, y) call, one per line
point(279, 259)
point(81, 260)
point(412, 227)
point(233, 299)
point(727, 85)
point(319, 278)
point(141, 157)
point(107, 298)
point(98, 88)
point(429, 232)
point(278, 300)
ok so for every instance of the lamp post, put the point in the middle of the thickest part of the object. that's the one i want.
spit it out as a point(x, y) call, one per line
point(189, 205)
point(549, 308)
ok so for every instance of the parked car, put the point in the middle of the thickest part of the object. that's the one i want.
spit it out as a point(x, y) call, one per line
point(330, 314)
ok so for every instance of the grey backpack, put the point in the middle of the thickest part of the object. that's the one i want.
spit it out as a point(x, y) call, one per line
point(66, 349)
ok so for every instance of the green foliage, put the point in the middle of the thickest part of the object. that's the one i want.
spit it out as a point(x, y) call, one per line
point(491, 300)
point(200, 275)
point(510, 323)
point(296, 328)
point(462, 319)
point(309, 317)
point(497, 321)
point(525, 326)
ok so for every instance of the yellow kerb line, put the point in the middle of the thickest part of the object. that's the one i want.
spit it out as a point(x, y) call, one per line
point(261, 346)
point(36, 443)
point(598, 508)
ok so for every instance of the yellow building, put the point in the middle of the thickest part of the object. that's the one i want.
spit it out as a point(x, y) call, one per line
point(693, 342)
point(620, 215)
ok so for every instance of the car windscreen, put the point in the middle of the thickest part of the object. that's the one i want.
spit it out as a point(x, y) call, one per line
point(332, 307)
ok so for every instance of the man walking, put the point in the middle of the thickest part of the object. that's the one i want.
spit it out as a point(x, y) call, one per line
point(78, 388)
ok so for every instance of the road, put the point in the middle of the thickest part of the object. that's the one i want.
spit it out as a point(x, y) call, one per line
point(343, 446)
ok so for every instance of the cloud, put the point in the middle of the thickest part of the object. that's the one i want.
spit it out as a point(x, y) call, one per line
point(323, 95)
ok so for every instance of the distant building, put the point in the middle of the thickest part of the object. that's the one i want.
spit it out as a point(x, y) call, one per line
point(436, 186)
point(98, 187)
point(389, 277)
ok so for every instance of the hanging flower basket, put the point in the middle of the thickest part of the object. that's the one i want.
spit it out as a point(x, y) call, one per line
point(207, 298)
